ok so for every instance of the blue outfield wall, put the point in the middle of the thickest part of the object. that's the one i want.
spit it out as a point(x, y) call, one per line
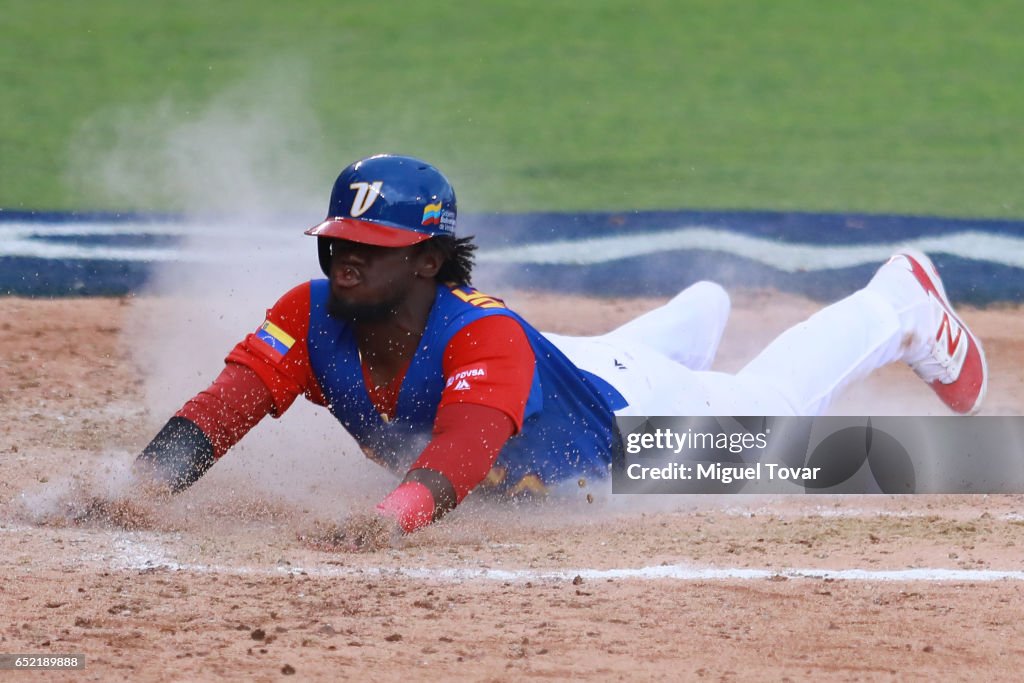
point(612, 254)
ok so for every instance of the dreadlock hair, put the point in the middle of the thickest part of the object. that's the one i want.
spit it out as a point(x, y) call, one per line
point(458, 258)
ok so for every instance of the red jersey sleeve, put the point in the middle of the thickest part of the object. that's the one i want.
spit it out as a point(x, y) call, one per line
point(490, 362)
point(278, 353)
point(467, 441)
point(231, 406)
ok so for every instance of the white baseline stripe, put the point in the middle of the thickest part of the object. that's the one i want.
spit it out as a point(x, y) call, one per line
point(20, 229)
point(208, 242)
point(785, 256)
point(140, 556)
point(16, 239)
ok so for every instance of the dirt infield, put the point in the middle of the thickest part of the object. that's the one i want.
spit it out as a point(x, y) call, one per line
point(216, 585)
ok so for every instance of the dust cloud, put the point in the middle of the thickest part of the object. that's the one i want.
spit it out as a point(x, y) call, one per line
point(239, 169)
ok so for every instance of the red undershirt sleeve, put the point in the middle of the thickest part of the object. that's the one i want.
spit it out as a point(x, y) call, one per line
point(489, 367)
point(231, 406)
point(466, 442)
point(263, 375)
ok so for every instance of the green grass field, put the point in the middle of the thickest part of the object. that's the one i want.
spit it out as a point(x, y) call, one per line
point(881, 106)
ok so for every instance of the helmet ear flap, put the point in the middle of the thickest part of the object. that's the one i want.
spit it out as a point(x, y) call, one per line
point(323, 249)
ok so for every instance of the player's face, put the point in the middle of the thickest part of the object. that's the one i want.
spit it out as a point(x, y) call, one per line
point(370, 283)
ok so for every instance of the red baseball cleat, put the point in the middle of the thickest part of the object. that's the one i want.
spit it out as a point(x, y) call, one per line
point(949, 358)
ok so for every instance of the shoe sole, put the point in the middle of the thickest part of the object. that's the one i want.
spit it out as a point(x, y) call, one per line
point(975, 360)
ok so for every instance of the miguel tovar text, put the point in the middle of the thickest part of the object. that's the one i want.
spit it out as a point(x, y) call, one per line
point(725, 474)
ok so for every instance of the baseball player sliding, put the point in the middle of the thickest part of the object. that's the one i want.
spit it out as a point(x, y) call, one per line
point(450, 389)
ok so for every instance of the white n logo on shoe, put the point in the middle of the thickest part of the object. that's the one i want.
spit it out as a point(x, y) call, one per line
point(950, 344)
point(952, 341)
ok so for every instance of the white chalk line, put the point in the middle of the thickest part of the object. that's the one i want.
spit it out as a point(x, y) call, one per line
point(145, 557)
point(19, 239)
point(133, 554)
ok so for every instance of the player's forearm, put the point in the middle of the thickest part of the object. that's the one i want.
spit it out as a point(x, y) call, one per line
point(231, 406)
point(177, 456)
point(205, 428)
point(467, 441)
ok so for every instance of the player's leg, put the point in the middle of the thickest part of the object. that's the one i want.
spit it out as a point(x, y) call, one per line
point(636, 370)
point(654, 384)
point(811, 362)
point(687, 329)
point(798, 374)
point(903, 314)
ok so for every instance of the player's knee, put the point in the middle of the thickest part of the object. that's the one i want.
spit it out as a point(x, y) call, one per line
point(713, 298)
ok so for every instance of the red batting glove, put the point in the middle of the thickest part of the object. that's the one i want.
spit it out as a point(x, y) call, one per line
point(411, 504)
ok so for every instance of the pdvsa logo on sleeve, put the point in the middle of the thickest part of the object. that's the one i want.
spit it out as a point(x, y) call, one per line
point(460, 381)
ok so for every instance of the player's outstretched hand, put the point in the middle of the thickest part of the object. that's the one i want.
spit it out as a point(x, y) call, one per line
point(359, 533)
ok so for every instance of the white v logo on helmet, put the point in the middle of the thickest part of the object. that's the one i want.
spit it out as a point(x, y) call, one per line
point(366, 195)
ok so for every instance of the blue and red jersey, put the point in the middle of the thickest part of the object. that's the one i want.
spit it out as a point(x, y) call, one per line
point(473, 350)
